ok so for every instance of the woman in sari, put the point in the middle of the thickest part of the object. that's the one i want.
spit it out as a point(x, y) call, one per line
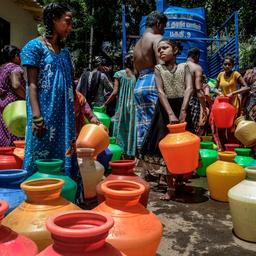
point(12, 88)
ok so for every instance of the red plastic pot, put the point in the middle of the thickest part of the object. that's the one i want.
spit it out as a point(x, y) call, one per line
point(80, 233)
point(124, 170)
point(223, 113)
point(8, 160)
point(11, 243)
point(231, 147)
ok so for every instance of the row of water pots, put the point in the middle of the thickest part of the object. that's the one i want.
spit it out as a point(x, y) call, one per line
point(134, 229)
point(225, 174)
point(12, 157)
point(91, 172)
point(209, 155)
point(228, 181)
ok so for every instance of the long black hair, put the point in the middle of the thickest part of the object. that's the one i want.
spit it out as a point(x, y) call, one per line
point(53, 11)
point(8, 53)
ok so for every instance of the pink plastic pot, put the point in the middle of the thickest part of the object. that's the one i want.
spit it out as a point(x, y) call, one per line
point(79, 233)
point(11, 243)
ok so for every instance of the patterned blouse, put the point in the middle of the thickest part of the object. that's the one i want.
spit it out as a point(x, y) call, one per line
point(173, 82)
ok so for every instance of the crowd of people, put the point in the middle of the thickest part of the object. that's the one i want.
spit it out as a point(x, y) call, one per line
point(150, 92)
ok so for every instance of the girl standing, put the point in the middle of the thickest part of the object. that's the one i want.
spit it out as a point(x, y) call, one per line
point(175, 87)
point(124, 128)
point(228, 81)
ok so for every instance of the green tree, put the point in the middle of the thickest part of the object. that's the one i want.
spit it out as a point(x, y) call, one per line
point(107, 22)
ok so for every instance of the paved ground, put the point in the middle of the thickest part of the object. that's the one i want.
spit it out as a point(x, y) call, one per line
point(196, 225)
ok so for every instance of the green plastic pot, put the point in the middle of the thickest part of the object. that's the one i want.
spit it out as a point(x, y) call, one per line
point(208, 156)
point(243, 157)
point(206, 145)
point(51, 168)
point(100, 113)
point(115, 149)
point(212, 82)
point(15, 117)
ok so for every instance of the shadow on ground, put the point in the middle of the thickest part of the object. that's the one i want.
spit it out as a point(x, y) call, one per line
point(194, 224)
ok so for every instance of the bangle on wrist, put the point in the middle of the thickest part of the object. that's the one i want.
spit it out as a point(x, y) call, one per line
point(39, 124)
point(38, 120)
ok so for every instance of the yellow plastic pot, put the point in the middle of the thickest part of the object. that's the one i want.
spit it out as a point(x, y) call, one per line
point(223, 175)
point(245, 131)
point(15, 117)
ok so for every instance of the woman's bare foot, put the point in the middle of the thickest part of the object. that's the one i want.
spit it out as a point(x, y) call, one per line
point(170, 193)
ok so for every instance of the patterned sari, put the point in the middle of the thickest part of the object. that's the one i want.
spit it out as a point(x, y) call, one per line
point(7, 95)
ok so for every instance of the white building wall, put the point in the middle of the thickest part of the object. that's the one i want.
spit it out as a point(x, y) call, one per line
point(22, 25)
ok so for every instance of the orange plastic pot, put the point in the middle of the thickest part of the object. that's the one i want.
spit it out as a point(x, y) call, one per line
point(180, 149)
point(78, 233)
point(223, 175)
point(11, 243)
point(93, 136)
point(8, 160)
point(19, 150)
point(124, 170)
point(43, 200)
point(136, 231)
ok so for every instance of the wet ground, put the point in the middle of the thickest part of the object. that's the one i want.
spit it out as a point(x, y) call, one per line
point(194, 224)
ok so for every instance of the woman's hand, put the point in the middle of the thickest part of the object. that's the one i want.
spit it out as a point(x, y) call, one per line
point(230, 95)
point(173, 119)
point(182, 117)
point(94, 120)
point(38, 127)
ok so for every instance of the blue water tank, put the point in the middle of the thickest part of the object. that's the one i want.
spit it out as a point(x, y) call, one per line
point(187, 25)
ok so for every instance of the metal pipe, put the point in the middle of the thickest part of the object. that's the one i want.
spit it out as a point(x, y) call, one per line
point(123, 31)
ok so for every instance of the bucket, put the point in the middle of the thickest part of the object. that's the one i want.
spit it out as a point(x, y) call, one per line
point(15, 117)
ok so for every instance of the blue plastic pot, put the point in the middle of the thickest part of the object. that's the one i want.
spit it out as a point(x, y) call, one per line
point(10, 191)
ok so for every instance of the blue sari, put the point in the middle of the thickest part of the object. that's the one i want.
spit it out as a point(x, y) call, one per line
point(56, 102)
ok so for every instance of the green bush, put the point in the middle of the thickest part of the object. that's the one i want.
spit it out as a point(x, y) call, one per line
point(248, 53)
